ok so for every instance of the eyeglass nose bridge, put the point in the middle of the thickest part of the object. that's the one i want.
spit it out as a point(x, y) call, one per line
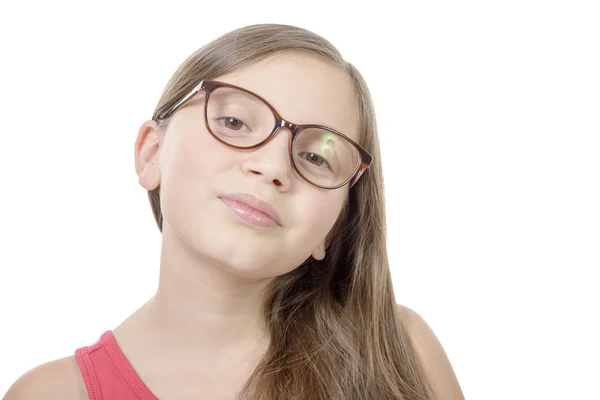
point(282, 123)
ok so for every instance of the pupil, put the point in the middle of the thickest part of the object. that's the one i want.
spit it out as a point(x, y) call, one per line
point(233, 122)
point(316, 159)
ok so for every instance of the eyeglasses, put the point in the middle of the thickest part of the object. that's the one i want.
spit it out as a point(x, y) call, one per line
point(241, 119)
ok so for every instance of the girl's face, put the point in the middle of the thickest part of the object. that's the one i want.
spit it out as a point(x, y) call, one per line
point(196, 172)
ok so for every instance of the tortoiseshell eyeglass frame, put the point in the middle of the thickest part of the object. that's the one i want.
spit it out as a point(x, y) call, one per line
point(207, 87)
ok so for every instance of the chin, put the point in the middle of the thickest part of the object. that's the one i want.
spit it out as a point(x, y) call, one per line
point(248, 270)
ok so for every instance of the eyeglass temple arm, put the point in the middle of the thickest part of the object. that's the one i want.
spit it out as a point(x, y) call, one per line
point(360, 172)
point(181, 102)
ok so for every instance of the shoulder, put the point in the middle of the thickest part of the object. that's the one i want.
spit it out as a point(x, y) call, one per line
point(414, 324)
point(58, 379)
point(432, 354)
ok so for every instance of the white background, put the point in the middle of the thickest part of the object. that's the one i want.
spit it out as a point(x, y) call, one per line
point(489, 114)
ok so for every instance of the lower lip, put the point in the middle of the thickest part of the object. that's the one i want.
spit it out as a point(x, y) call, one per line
point(250, 215)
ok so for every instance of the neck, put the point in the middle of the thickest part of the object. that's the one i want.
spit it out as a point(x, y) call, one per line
point(200, 309)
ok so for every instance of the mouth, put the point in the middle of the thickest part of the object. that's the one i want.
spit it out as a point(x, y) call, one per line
point(252, 210)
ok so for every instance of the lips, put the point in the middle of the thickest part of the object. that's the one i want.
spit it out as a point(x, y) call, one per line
point(259, 206)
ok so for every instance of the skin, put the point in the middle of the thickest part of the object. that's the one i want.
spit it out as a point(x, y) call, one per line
point(214, 268)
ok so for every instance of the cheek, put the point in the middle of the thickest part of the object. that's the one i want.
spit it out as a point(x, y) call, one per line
point(318, 218)
point(201, 158)
point(192, 166)
point(195, 164)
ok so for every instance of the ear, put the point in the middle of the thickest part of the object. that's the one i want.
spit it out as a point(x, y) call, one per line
point(319, 252)
point(147, 150)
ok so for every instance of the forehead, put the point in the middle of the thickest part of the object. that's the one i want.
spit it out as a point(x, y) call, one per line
point(304, 89)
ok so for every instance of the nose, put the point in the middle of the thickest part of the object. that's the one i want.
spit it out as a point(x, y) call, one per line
point(271, 162)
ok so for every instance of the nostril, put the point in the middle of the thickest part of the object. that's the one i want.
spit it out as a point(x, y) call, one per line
point(277, 182)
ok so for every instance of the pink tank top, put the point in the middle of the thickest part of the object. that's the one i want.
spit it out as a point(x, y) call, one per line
point(108, 374)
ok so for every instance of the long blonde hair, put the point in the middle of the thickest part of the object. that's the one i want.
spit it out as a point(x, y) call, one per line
point(334, 326)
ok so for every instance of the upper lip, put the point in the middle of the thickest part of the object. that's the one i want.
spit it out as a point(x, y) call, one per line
point(256, 203)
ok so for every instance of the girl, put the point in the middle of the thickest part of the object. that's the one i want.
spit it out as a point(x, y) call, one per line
point(262, 166)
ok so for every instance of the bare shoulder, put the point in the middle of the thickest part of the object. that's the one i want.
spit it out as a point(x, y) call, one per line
point(58, 379)
point(432, 354)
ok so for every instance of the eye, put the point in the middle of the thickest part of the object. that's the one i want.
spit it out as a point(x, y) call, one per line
point(315, 159)
point(233, 124)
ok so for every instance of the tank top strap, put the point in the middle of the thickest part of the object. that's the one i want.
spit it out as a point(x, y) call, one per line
point(107, 372)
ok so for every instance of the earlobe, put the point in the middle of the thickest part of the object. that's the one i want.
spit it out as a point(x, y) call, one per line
point(319, 252)
point(147, 146)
